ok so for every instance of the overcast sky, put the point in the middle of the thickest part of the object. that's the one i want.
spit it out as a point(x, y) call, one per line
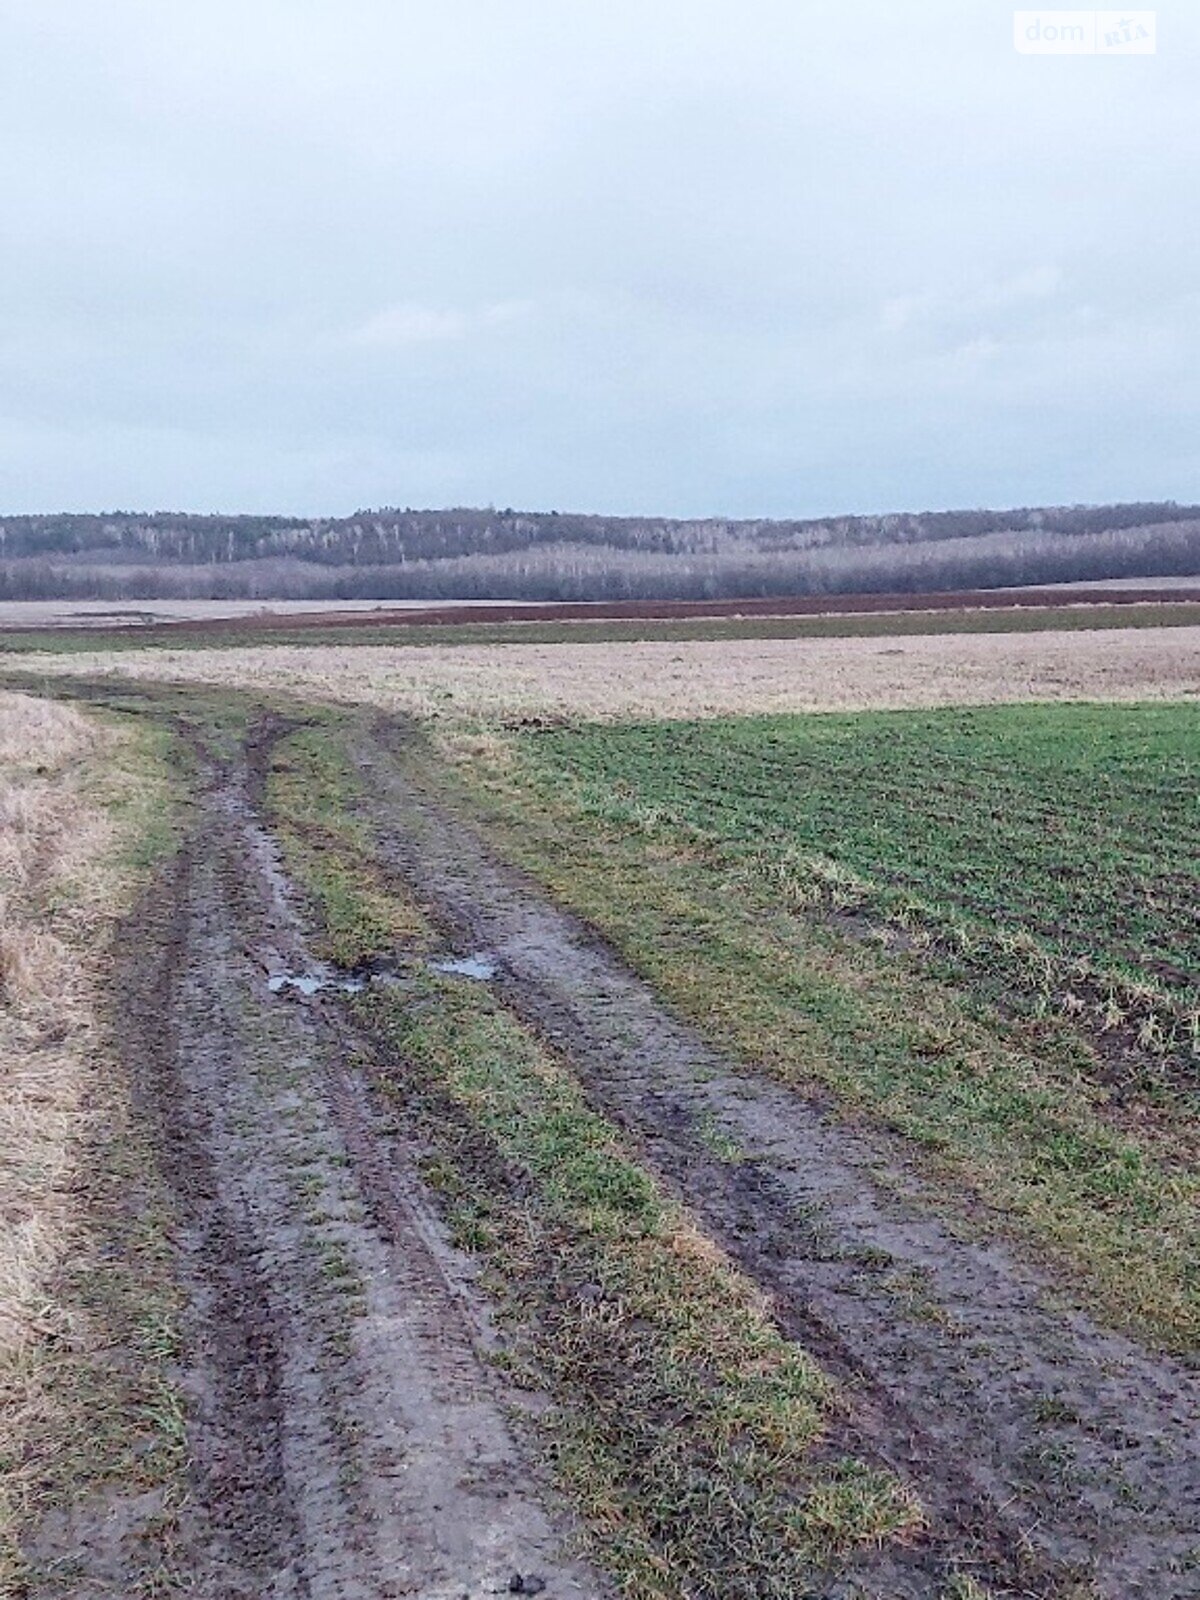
point(753, 258)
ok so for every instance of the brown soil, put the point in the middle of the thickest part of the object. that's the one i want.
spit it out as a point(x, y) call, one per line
point(638, 610)
point(1025, 1427)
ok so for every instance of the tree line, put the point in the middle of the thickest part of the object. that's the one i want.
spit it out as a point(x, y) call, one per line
point(471, 554)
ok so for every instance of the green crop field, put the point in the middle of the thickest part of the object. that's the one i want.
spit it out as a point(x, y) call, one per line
point(1078, 825)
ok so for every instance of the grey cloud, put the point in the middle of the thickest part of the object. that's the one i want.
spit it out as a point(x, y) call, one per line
point(767, 258)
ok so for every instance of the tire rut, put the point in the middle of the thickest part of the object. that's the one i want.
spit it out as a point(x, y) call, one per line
point(1047, 1447)
point(348, 1441)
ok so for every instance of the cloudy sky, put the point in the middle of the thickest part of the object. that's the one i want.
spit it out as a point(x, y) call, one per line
point(763, 258)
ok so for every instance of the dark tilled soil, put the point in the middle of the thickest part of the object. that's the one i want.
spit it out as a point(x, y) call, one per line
point(1045, 1443)
point(810, 605)
point(348, 1437)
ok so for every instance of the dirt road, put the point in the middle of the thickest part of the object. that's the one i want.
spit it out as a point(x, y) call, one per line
point(349, 1435)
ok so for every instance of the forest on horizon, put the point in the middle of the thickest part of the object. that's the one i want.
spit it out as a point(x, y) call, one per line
point(469, 553)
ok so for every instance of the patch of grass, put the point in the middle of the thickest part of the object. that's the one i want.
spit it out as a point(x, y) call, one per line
point(143, 801)
point(1023, 1125)
point(698, 1444)
point(329, 849)
point(722, 1144)
point(117, 1380)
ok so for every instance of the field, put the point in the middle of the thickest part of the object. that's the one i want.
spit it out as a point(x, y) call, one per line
point(36, 626)
point(100, 615)
point(685, 678)
point(670, 1117)
point(1068, 824)
point(1010, 981)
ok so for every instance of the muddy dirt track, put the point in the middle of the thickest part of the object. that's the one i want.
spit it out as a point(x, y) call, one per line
point(349, 1440)
point(350, 1437)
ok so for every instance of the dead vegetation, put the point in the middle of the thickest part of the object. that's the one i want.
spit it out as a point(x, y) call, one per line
point(47, 835)
point(658, 678)
point(62, 884)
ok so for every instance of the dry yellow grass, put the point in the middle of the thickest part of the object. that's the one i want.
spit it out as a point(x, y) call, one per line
point(60, 890)
point(41, 733)
point(694, 678)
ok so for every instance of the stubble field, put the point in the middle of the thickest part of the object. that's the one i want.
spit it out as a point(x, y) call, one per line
point(684, 678)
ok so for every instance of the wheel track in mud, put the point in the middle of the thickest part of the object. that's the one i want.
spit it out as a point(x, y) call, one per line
point(948, 1345)
point(235, 1378)
point(347, 1439)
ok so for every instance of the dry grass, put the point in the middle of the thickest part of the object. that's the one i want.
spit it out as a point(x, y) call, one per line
point(60, 889)
point(694, 678)
point(41, 733)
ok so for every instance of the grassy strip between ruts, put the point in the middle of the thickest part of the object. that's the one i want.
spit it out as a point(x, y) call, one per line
point(696, 1442)
point(244, 635)
point(88, 1333)
point(328, 849)
point(1003, 1111)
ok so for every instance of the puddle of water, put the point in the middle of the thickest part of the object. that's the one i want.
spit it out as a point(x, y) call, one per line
point(478, 966)
point(309, 983)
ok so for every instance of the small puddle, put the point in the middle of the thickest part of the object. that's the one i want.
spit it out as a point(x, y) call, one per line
point(310, 983)
point(318, 980)
point(480, 967)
